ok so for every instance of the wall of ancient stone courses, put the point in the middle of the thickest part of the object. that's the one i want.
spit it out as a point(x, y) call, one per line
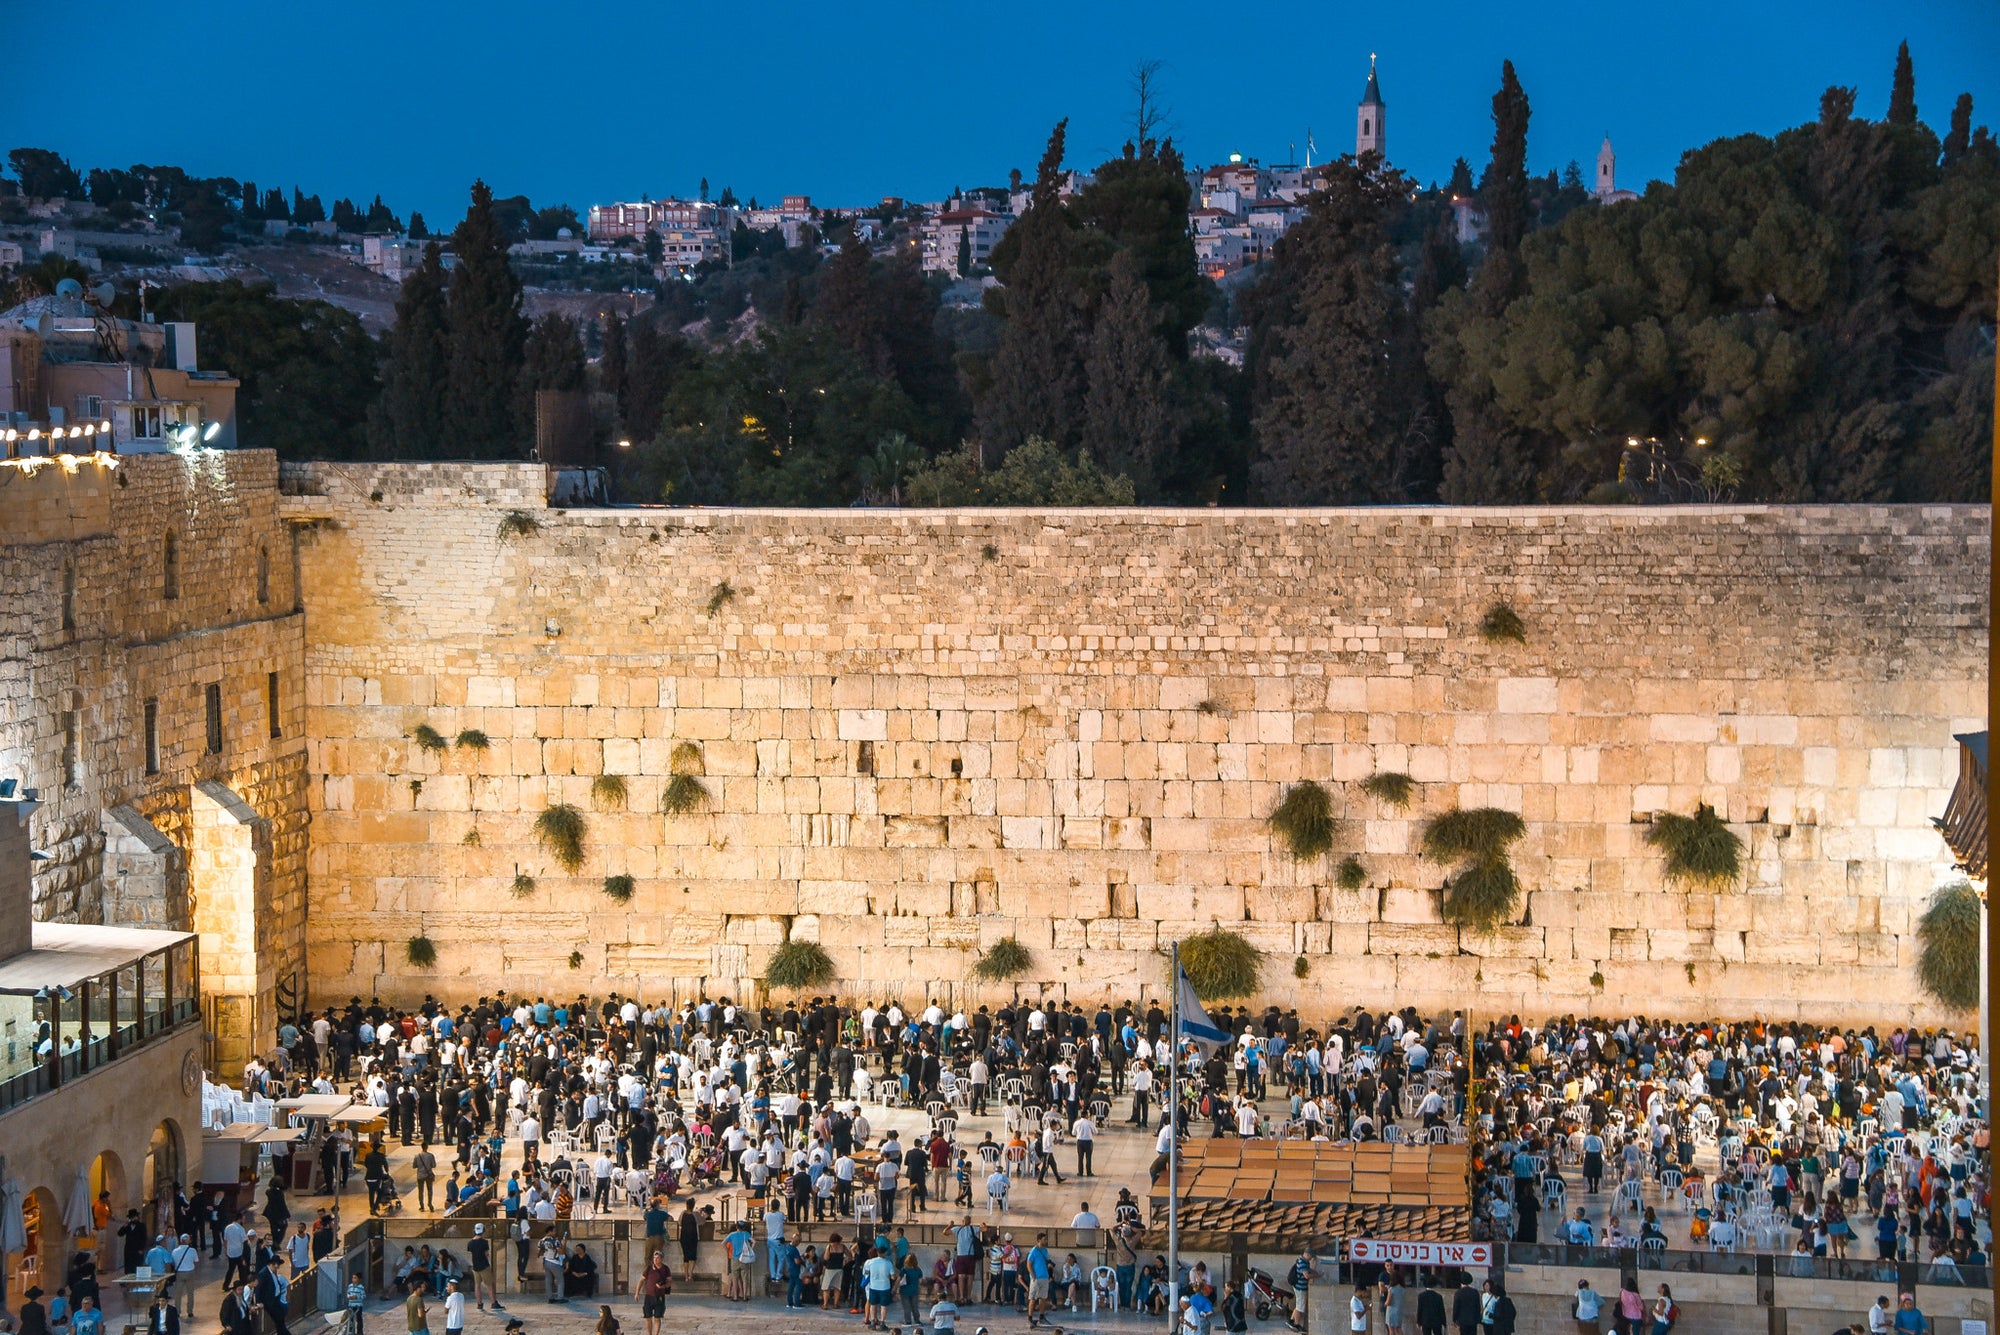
point(1076, 723)
point(94, 536)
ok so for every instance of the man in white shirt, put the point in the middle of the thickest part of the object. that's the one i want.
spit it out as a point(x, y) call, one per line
point(1085, 1132)
point(774, 1233)
point(1084, 1218)
point(234, 1236)
point(454, 1311)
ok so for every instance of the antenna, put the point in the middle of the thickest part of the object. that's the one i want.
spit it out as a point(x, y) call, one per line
point(1309, 146)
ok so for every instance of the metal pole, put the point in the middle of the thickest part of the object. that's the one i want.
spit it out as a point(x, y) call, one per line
point(1174, 1137)
point(1992, 920)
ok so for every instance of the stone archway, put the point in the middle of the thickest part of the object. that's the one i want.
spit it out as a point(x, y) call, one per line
point(166, 1162)
point(45, 1260)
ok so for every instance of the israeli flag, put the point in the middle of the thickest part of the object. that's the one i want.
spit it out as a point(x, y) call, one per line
point(1194, 1021)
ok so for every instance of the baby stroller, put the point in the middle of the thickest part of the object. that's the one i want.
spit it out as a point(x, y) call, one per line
point(705, 1168)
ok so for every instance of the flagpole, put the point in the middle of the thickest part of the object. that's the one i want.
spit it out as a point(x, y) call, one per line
point(1174, 1140)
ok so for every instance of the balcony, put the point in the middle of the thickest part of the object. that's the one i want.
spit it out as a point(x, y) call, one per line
point(84, 996)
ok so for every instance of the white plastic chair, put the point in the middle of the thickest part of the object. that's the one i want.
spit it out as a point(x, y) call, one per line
point(1104, 1288)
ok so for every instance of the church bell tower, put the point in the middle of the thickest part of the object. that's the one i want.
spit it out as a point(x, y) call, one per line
point(1371, 119)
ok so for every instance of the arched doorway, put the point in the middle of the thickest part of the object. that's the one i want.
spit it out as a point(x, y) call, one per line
point(108, 1194)
point(165, 1164)
point(44, 1260)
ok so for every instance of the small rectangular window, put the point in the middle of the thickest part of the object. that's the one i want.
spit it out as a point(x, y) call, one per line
point(212, 698)
point(152, 737)
point(71, 745)
point(864, 758)
point(271, 703)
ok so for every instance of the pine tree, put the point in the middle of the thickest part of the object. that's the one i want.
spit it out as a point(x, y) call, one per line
point(965, 252)
point(1960, 138)
point(418, 231)
point(407, 421)
point(1903, 89)
point(483, 418)
point(1334, 425)
point(1460, 184)
point(1139, 202)
point(1133, 409)
point(1037, 384)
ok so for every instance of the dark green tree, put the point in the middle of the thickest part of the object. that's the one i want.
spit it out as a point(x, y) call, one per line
point(44, 174)
point(1139, 202)
point(1960, 138)
point(487, 334)
point(418, 229)
point(408, 421)
point(306, 208)
point(1134, 411)
point(276, 206)
point(1037, 371)
point(1337, 358)
point(380, 219)
point(611, 362)
point(1460, 184)
point(965, 252)
point(554, 355)
point(308, 369)
point(1903, 89)
point(1503, 189)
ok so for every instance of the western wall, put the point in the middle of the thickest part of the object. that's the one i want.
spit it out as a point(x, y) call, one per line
point(922, 731)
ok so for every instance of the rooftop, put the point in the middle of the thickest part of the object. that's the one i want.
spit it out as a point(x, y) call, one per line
point(65, 954)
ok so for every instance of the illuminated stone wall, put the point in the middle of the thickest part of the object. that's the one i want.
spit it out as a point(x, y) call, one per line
point(89, 635)
point(923, 731)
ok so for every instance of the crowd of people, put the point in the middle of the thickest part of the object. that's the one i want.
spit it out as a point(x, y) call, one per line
point(1582, 1131)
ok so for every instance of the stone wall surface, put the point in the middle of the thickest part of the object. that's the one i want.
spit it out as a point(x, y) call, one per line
point(920, 732)
point(150, 579)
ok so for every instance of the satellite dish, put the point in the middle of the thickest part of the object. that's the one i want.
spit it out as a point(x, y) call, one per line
point(69, 287)
point(103, 293)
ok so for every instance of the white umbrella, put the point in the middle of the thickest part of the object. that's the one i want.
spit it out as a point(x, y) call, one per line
point(13, 1228)
point(76, 1214)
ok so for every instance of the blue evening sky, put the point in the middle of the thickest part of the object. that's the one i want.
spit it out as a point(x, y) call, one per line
point(850, 102)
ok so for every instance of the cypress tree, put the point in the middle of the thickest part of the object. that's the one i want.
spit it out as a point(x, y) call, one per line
point(1133, 413)
point(1903, 89)
point(1334, 424)
point(554, 355)
point(1037, 385)
point(1503, 190)
point(1489, 462)
point(407, 421)
point(1960, 137)
point(611, 366)
point(964, 252)
point(483, 419)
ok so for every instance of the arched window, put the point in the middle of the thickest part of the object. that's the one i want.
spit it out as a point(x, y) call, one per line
point(170, 568)
point(263, 574)
point(1364, 125)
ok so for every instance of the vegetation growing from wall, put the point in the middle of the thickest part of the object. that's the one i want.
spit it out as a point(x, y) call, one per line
point(1948, 939)
point(1391, 788)
point(561, 829)
point(608, 791)
point(685, 792)
point(1004, 959)
point(797, 965)
point(1484, 892)
point(1502, 623)
point(620, 887)
point(428, 738)
point(1352, 875)
point(472, 739)
point(1701, 849)
point(1221, 965)
point(421, 952)
point(1303, 821)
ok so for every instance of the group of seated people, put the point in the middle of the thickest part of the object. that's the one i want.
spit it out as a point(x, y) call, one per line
point(432, 1271)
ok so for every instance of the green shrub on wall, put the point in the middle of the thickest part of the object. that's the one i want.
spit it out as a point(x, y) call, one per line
point(1392, 788)
point(1004, 959)
point(421, 952)
point(1484, 892)
point(1948, 946)
point(428, 738)
point(1221, 965)
point(797, 965)
point(1701, 849)
point(560, 829)
point(1303, 821)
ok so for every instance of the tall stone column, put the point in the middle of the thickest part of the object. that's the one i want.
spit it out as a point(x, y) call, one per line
point(229, 862)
